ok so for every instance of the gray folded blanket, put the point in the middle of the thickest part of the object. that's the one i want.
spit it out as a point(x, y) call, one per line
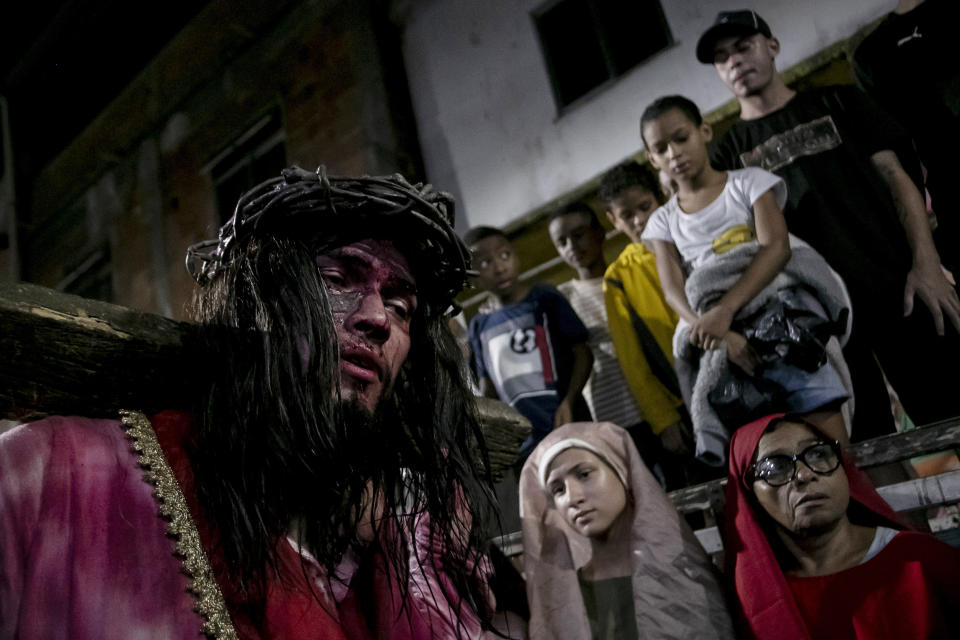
point(699, 371)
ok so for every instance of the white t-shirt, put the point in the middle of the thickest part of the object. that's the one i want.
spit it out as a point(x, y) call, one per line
point(721, 225)
point(881, 539)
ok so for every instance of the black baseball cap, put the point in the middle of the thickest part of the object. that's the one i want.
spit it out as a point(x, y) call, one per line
point(744, 22)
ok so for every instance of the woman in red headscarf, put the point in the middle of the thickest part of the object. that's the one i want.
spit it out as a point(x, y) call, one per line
point(815, 552)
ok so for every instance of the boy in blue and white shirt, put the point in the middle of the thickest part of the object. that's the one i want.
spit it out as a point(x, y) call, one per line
point(530, 351)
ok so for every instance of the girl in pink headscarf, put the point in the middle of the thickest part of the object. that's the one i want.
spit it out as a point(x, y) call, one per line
point(606, 555)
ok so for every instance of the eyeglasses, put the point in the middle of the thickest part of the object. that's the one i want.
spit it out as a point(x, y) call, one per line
point(777, 470)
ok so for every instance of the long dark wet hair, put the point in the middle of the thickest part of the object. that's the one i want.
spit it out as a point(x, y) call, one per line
point(276, 447)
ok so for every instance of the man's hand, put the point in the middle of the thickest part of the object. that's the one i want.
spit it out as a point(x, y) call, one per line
point(564, 414)
point(709, 330)
point(740, 353)
point(675, 439)
point(927, 278)
point(936, 291)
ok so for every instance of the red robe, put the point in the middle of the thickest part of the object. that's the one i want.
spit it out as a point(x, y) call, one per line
point(911, 586)
point(291, 608)
point(908, 591)
point(84, 552)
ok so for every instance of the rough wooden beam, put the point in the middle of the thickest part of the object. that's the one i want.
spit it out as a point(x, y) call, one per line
point(67, 355)
point(64, 354)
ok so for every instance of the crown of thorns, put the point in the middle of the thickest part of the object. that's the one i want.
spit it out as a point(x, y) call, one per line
point(426, 216)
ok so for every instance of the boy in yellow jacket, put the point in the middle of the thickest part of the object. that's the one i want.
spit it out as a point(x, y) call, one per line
point(640, 320)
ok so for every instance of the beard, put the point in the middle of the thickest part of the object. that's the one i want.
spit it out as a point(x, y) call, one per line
point(367, 439)
point(362, 470)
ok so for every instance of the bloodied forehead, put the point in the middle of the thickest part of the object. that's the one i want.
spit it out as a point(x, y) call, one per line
point(374, 260)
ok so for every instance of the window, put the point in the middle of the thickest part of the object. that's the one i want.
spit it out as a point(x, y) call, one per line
point(257, 155)
point(588, 43)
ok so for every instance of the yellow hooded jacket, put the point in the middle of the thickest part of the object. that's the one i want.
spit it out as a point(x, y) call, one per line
point(642, 325)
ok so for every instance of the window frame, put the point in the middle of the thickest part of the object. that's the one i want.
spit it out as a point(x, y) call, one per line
point(241, 154)
point(602, 39)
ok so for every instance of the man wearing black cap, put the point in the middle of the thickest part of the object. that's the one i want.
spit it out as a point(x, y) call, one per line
point(850, 197)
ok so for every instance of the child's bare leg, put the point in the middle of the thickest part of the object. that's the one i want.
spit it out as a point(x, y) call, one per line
point(830, 421)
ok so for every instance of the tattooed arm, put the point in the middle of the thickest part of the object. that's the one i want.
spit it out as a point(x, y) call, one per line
point(926, 278)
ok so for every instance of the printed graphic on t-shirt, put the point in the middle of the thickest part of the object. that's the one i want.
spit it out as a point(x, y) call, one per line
point(733, 237)
point(807, 139)
point(520, 357)
point(523, 340)
point(916, 34)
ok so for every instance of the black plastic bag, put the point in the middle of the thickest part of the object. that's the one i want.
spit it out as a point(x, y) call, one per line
point(786, 330)
point(738, 398)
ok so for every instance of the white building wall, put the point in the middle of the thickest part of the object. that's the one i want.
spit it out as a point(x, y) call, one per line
point(490, 130)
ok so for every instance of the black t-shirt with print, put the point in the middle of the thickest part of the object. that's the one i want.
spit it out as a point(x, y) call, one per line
point(820, 143)
point(910, 66)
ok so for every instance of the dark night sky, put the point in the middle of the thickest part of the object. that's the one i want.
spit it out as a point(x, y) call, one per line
point(62, 63)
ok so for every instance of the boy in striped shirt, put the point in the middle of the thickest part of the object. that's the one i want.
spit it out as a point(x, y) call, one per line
point(578, 237)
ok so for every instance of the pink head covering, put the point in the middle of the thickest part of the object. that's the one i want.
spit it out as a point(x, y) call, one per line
point(675, 592)
point(767, 606)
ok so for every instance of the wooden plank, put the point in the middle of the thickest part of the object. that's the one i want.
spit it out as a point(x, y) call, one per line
point(939, 436)
point(700, 497)
point(903, 496)
point(922, 492)
point(69, 355)
point(504, 430)
point(710, 539)
point(511, 544)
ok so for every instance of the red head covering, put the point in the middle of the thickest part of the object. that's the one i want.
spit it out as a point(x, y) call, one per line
point(767, 606)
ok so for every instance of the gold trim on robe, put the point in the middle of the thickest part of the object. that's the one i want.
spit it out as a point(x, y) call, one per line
point(173, 506)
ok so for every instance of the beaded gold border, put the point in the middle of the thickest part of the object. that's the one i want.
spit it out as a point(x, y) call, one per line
point(157, 472)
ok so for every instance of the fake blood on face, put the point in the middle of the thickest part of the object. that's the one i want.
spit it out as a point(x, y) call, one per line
point(373, 297)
